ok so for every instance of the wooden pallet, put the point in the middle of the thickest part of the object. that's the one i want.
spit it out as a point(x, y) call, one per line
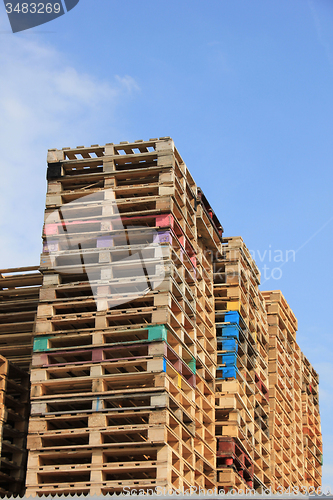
point(242, 407)
point(123, 369)
point(290, 386)
point(19, 290)
point(14, 415)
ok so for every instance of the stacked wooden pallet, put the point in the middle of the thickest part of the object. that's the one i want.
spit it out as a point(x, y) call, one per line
point(209, 232)
point(153, 363)
point(14, 414)
point(242, 403)
point(294, 417)
point(123, 374)
point(19, 291)
point(19, 295)
point(312, 438)
point(287, 464)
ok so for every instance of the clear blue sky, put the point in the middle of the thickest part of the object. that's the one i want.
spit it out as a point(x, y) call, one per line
point(245, 89)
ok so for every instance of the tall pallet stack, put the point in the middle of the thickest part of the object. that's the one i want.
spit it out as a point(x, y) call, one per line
point(312, 438)
point(242, 400)
point(125, 348)
point(155, 360)
point(287, 462)
point(14, 415)
point(294, 417)
point(19, 293)
point(209, 235)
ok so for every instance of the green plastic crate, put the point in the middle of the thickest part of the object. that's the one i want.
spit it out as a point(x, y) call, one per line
point(192, 365)
point(41, 343)
point(157, 332)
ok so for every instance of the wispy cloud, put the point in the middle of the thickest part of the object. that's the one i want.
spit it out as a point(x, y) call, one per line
point(322, 36)
point(45, 102)
point(128, 82)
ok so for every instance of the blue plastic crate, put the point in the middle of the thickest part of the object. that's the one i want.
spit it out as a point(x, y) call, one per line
point(226, 372)
point(229, 344)
point(232, 317)
point(230, 331)
point(229, 358)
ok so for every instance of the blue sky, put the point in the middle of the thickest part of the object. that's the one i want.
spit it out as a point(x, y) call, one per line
point(245, 89)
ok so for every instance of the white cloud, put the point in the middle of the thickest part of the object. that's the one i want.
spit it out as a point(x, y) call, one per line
point(128, 82)
point(45, 102)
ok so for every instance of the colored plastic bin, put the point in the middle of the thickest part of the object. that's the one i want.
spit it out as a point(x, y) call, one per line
point(41, 343)
point(232, 317)
point(157, 332)
point(230, 331)
point(226, 372)
point(229, 344)
point(229, 359)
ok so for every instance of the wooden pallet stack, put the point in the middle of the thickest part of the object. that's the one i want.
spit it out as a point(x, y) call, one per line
point(242, 402)
point(287, 463)
point(124, 358)
point(312, 438)
point(19, 295)
point(14, 415)
point(19, 292)
point(155, 360)
point(209, 232)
